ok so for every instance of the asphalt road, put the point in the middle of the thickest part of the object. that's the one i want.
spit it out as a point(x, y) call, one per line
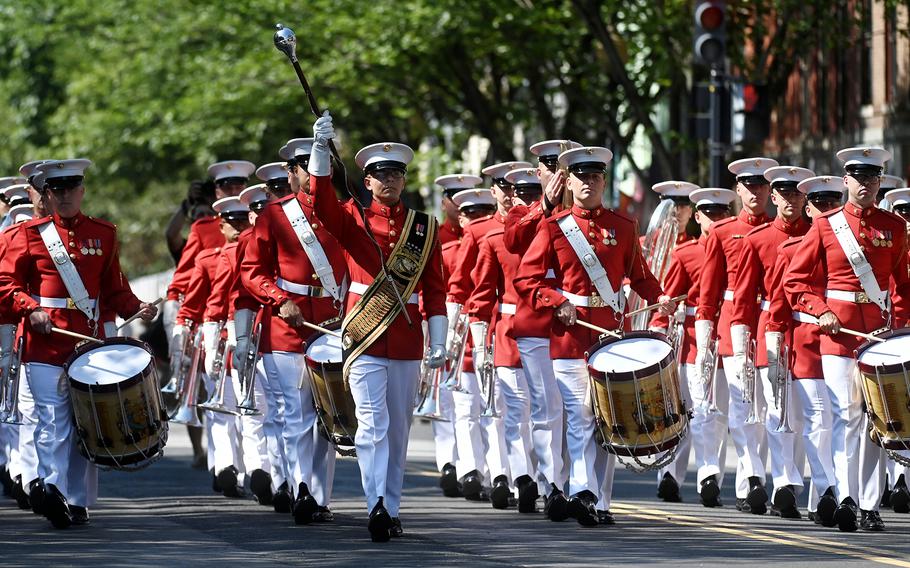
point(167, 515)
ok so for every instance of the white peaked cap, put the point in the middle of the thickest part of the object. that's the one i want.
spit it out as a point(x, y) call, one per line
point(585, 155)
point(296, 147)
point(254, 194)
point(454, 182)
point(19, 190)
point(230, 206)
point(470, 197)
point(782, 174)
point(274, 170)
point(523, 176)
point(231, 168)
point(553, 147)
point(64, 168)
point(864, 155)
point(674, 188)
point(712, 196)
point(748, 167)
point(383, 152)
point(816, 184)
point(900, 196)
point(499, 171)
point(892, 182)
point(22, 212)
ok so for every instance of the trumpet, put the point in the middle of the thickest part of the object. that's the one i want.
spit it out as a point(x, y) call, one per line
point(457, 340)
point(782, 388)
point(9, 388)
point(189, 391)
point(488, 379)
point(215, 402)
point(707, 376)
point(247, 375)
point(749, 382)
point(428, 391)
point(180, 365)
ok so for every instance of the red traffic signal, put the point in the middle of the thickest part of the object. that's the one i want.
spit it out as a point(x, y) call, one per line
point(710, 16)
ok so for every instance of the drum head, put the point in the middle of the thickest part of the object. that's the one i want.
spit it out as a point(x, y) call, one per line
point(629, 354)
point(893, 351)
point(324, 348)
point(109, 364)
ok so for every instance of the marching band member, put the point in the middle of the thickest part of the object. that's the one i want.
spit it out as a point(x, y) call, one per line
point(888, 183)
point(785, 327)
point(473, 432)
point(294, 266)
point(444, 432)
point(673, 475)
point(67, 259)
point(715, 308)
point(748, 319)
point(297, 154)
point(382, 348)
point(276, 177)
point(11, 194)
point(586, 231)
point(823, 283)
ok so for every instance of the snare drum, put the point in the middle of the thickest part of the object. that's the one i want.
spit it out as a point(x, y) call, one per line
point(334, 403)
point(884, 373)
point(116, 403)
point(635, 395)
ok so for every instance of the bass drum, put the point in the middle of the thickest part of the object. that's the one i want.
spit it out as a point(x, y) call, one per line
point(635, 396)
point(884, 374)
point(335, 410)
point(117, 406)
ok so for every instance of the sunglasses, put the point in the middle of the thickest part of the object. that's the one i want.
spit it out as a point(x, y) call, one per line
point(387, 175)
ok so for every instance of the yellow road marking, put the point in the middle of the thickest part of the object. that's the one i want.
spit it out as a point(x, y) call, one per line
point(766, 535)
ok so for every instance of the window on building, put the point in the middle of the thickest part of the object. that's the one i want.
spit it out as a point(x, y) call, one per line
point(866, 54)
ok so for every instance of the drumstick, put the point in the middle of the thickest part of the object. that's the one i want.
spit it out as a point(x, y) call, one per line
point(315, 327)
point(76, 335)
point(136, 315)
point(862, 335)
point(679, 298)
point(583, 323)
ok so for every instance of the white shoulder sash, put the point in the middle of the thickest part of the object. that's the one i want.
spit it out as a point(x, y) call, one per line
point(68, 273)
point(591, 263)
point(857, 260)
point(311, 246)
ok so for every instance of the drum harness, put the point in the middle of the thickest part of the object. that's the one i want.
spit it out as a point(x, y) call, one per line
point(70, 275)
point(313, 249)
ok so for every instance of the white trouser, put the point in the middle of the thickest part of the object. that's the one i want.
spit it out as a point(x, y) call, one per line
point(288, 371)
point(546, 409)
point(605, 467)
point(857, 461)
point(254, 447)
point(224, 436)
point(572, 378)
point(677, 468)
point(59, 460)
point(273, 426)
point(812, 397)
point(496, 452)
point(323, 477)
point(26, 454)
point(784, 449)
point(516, 418)
point(384, 391)
point(747, 438)
point(707, 428)
point(444, 432)
point(469, 435)
point(9, 433)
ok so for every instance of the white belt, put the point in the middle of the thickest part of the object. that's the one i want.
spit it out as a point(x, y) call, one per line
point(302, 289)
point(848, 296)
point(765, 305)
point(59, 303)
point(690, 310)
point(803, 317)
point(507, 309)
point(583, 301)
point(359, 289)
point(728, 295)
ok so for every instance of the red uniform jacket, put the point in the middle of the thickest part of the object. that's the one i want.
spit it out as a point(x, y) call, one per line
point(401, 341)
point(495, 297)
point(820, 264)
point(550, 250)
point(7, 314)
point(220, 305)
point(449, 231)
point(274, 252)
point(462, 281)
point(241, 298)
point(27, 268)
point(205, 234)
point(753, 280)
point(192, 310)
point(521, 225)
point(682, 278)
point(718, 275)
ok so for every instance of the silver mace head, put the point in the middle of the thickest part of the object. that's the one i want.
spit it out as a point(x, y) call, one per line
point(286, 41)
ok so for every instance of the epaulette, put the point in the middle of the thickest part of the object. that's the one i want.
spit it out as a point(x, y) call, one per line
point(623, 215)
point(451, 244)
point(497, 231)
point(790, 242)
point(759, 229)
point(829, 213)
point(893, 217)
point(686, 244)
point(103, 223)
point(723, 223)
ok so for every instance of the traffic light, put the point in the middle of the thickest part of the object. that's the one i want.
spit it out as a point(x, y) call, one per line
point(710, 33)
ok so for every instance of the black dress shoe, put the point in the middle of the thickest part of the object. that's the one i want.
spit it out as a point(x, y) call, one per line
point(527, 494)
point(845, 515)
point(824, 511)
point(499, 495)
point(282, 500)
point(36, 495)
point(6, 481)
point(323, 515)
point(80, 515)
point(396, 531)
point(20, 495)
point(261, 486)
point(605, 518)
point(668, 489)
point(581, 508)
point(757, 499)
point(785, 503)
point(226, 479)
point(215, 487)
point(471, 486)
point(56, 508)
point(304, 505)
point(556, 507)
point(380, 523)
point(900, 496)
point(709, 492)
point(813, 516)
point(449, 481)
point(871, 521)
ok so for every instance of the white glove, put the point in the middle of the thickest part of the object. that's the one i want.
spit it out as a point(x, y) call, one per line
point(177, 337)
point(169, 316)
point(7, 340)
point(680, 314)
point(704, 330)
point(479, 330)
point(773, 342)
point(438, 326)
point(453, 310)
point(231, 334)
point(210, 337)
point(740, 338)
point(320, 158)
